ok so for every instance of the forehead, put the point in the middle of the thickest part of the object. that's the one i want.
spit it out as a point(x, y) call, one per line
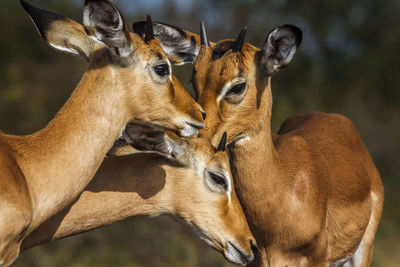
point(221, 58)
point(148, 50)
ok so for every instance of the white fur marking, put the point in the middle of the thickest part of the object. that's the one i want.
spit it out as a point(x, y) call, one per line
point(170, 70)
point(122, 132)
point(354, 260)
point(86, 20)
point(243, 140)
point(358, 256)
point(65, 49)
point(227, 86)
point(229, 188)
point(373, 196)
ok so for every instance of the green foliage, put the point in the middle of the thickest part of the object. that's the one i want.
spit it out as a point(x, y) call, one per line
point(347, 63)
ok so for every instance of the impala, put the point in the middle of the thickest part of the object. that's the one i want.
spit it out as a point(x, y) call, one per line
point(128, 79)
point(311, 193)
point(196, 188)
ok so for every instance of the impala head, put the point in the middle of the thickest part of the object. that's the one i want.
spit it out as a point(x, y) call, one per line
point(134, 67)
point(232, 77)
point(203, 196)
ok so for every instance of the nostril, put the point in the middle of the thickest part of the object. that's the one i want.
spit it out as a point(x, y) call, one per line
point(203, 114)
point(253, 247)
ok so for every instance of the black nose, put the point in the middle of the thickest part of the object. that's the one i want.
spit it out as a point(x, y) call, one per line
point(253, 248)
point(204, 115)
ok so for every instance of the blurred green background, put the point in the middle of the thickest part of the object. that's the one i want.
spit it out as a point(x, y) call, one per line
point(348, 63)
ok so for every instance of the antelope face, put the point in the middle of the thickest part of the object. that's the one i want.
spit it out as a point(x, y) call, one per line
point(232, 77)
point(136, 67)
point(164, 103)
point(204, 197)
point(226, 84)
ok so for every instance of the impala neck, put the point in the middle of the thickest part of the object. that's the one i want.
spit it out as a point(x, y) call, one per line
point(255, 158)
point(124, 186)
point(60, 160)
point(258, 145)
point(251, 157)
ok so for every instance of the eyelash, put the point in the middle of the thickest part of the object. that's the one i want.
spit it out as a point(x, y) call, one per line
point(236, 89)
point(161, 70)
point(219, 180)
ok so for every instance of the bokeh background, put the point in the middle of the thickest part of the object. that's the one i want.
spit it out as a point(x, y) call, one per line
point(348, 63)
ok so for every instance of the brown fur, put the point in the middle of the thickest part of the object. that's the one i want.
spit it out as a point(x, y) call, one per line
point(147, 184)
point(311, 193)
point(41, 173)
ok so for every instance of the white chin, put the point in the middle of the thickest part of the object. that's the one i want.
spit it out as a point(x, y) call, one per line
point(189, 131)
point(234, 256)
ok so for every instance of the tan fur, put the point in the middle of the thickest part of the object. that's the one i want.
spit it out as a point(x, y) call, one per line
point(147, 184)
point(311, 193)
point(43, 172)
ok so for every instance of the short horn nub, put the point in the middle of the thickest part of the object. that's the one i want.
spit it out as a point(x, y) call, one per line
point(203, 35)
point(237, 46)
point(149, 30)
point(222, 143)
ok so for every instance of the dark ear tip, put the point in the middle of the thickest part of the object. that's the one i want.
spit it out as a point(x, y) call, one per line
point(28, 7)
point(138, 27)
point(94, 1)
point(298, 33)
point(24, 4)
point(88, 2)
point(41, 18)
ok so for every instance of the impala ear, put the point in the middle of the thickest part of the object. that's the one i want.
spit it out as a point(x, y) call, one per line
point(280, 47)
point(181, 46)
point(138, 138)
point(60, 32)
point(104, 23)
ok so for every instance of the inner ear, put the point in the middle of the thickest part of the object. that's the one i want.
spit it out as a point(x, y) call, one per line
point(148, 139)
point(180, 46)
point(104, 23)
point(280, 47)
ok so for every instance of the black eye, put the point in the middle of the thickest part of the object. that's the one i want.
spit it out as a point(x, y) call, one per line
point(161, 70)
point(237, 89)
point(219, 180)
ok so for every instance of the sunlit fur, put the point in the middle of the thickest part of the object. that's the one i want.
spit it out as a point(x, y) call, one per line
point(307, 191)
point(147, 184)
point(43, 172)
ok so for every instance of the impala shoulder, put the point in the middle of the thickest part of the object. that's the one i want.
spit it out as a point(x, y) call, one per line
point(291, 144)
point(318, 122)
point(335, 118)
point(298, 121)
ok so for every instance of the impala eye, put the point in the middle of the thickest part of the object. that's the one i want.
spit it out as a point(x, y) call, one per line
point(218, 180)
point(237, 89)
point(161, 70)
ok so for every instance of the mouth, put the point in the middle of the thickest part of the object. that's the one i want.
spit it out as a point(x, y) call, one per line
point(191, 129)
point(236, 255)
